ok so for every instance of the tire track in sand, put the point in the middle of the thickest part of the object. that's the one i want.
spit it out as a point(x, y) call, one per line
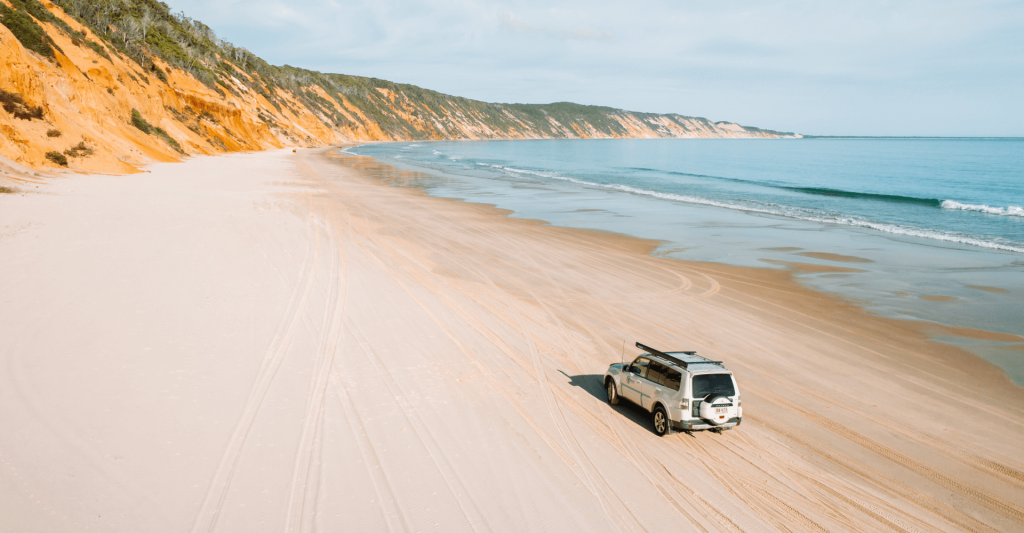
point(981, 464)
point(588, 472)
point(394, 517)
point(330, 337)
point(456, 486)
point(571, 458)
point(212, 504)
point(881, 481)
point(993, 503)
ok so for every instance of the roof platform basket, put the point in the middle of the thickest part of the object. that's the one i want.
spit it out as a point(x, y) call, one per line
point(694, 359)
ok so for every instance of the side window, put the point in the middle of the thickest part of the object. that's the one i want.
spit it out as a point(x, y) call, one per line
point(672, 379)
point(656, 372)
point(640, 366)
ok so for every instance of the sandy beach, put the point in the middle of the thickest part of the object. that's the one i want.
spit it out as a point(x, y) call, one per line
point(276, 342)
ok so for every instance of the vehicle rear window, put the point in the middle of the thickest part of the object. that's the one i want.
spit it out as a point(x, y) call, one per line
point(705, 384)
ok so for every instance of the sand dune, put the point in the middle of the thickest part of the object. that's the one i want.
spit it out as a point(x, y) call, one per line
point(278, 342)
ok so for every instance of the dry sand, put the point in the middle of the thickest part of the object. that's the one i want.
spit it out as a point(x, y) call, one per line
point(275, 342)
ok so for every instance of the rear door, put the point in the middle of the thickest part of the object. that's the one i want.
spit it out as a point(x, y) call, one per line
point(671, 383)
point(652, 383)
point(632, 383)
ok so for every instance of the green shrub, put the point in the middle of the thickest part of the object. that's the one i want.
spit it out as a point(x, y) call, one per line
point(25, 29)
point(14, 104)
point(78, 150)
point(160, 75)
point(217, 143)
point(53, 133)
point(140, 122)
point(58, 158)
point(170, 140)
point(269, 121)
point(39, 12)
point(8, 190)
point(98, 48)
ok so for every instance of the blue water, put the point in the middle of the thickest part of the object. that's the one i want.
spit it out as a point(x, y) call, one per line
point(950, 191)
point(915, 219)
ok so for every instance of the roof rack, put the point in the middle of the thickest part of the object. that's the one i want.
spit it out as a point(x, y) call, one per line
point(677, 360)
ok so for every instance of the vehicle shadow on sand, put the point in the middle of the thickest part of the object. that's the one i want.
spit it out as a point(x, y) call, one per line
point(594, 385)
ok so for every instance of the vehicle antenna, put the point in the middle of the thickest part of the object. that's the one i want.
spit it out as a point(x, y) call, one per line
point(622, 359)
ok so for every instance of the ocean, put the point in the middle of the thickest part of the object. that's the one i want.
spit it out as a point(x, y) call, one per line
point(922, 229)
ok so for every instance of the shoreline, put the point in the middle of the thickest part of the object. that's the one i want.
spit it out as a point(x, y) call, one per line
point(274, 340)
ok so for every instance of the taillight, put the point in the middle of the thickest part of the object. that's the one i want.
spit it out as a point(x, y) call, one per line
point(685, 404)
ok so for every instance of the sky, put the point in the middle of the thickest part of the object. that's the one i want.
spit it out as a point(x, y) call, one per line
point(869, 67)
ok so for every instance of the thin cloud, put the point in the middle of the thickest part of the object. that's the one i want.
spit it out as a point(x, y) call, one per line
point(579, 33)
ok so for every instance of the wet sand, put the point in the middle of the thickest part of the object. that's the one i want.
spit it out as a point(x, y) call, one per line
point(938, 298)
point(836, 257)
point(987, 289)
point(275, 341)
point(810, 268)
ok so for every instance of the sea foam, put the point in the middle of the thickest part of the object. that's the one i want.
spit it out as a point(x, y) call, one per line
point(1011, 211)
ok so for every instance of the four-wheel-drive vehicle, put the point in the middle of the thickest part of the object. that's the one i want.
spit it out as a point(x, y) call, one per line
point(682, 390)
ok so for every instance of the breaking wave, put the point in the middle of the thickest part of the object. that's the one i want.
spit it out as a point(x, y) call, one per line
point(818, 191)
point(1011, 211)
point(810, 215)
point(821, 191)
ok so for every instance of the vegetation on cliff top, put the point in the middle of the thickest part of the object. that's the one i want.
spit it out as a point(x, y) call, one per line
point(25, 29)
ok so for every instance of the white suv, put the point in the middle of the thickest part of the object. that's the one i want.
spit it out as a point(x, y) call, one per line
point(682, 389)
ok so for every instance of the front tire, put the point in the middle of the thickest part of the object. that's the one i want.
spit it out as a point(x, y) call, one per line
point(661, 421)
point(613, 393)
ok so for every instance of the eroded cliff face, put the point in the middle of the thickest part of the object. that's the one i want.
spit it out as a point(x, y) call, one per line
point(88, 98)
point(76, 110)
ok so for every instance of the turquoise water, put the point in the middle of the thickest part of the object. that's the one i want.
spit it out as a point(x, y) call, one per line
point(918, 218)
point(967, 191)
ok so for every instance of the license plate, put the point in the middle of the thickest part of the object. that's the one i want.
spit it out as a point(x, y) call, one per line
point(721, 411)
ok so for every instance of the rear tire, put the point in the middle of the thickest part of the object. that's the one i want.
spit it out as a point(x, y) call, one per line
point(613, 393)
point(661, 421)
